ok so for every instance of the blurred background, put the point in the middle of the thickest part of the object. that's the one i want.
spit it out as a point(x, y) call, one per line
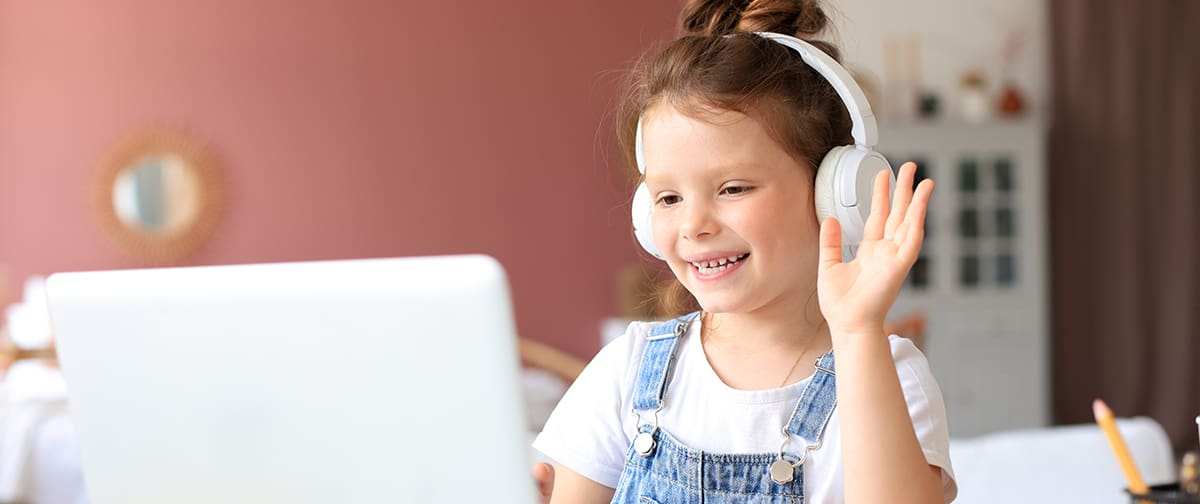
point(1060, 266)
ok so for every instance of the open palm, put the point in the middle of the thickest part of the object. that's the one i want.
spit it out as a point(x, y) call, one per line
point(855, 296)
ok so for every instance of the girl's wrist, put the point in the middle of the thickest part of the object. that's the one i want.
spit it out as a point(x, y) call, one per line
point(859, 333)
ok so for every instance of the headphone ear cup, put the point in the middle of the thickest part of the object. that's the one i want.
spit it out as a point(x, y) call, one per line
point(843, 189)
point(823, 196)
point(643, 229)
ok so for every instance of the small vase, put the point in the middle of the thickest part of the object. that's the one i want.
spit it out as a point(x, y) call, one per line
point(1011, 103)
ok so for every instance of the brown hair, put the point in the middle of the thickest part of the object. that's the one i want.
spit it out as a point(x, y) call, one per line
point(718, 64)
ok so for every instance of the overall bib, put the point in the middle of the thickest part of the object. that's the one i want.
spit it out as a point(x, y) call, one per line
point(659, 469)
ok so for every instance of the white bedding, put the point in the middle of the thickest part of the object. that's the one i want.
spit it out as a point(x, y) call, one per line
point(39, 455)
point(1058, 464)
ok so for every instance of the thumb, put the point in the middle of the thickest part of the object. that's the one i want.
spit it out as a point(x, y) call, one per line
point(830, 244)
point(544, 474)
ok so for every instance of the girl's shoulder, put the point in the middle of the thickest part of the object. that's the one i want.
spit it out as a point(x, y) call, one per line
point(904, 351)
point(640, 331)
point(911, 365)
point(620, 357)
point(619, 350)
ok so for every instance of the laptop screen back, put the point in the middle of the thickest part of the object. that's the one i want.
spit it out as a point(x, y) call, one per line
point(380, 380)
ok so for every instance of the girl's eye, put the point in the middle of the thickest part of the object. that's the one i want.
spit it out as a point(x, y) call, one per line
point(668, 200)
point(735, 190)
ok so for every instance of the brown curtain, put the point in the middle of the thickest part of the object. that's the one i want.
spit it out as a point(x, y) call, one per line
point(1125, 210)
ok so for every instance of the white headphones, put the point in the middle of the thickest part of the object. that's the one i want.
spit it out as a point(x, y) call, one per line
point(845, 178)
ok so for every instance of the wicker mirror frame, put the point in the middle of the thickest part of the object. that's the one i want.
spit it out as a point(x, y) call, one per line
point(173, 246)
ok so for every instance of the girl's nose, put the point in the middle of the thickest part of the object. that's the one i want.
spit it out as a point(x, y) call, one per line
point(698, 221)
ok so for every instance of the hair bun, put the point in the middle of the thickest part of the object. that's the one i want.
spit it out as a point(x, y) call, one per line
point(800, 18)
point(711, 17)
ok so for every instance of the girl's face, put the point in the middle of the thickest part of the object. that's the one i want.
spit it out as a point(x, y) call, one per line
point(733, 211)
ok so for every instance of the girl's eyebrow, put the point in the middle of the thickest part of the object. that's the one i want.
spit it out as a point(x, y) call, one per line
point(730, 171)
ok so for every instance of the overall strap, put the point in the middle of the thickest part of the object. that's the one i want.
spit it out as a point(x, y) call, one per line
point(658, 361)
point(816, 404)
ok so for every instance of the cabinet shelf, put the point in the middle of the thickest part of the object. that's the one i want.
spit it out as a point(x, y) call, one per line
point(981, 277)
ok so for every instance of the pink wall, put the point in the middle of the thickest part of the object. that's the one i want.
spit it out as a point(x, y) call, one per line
point(347, 129)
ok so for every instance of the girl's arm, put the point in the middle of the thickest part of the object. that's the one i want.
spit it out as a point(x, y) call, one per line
point(882, 460)
point(572, 488)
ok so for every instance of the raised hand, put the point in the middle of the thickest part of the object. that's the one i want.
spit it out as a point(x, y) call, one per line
point(855, 296)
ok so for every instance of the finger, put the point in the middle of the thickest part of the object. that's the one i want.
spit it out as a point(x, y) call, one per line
point(830, 244)
point(873, 229)
point(924, 202)
point(914, 223)
point(544, 474)
point(903, 196)
point(919, 203)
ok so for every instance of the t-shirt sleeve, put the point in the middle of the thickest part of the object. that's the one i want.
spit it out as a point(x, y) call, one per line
point(927, 409)
point(584, 433)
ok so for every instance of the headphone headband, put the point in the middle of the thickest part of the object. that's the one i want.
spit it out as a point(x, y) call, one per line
point(865, 131)
point(864, 128)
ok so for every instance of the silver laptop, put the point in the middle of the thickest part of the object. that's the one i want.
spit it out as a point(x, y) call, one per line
point(381, 380)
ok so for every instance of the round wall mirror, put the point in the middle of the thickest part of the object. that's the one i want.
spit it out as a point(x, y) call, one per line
point(158, 195)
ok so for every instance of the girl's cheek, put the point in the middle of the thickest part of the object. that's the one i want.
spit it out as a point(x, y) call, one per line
point(662, 233)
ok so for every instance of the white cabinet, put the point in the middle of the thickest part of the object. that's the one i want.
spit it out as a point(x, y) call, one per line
point(981, 280)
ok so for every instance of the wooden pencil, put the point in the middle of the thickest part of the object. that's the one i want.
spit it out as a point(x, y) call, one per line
point(1104, 417)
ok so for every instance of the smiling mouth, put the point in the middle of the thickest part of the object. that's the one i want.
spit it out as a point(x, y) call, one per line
point(718, 265)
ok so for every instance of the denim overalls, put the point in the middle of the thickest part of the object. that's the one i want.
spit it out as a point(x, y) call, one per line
point(659, 469)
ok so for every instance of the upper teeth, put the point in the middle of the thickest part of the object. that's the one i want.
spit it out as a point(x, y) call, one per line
point(716, 262)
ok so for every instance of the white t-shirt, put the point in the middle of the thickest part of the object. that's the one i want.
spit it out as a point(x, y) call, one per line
point(593, 425)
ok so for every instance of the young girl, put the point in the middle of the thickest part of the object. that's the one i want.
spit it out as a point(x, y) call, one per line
point(742, 401)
